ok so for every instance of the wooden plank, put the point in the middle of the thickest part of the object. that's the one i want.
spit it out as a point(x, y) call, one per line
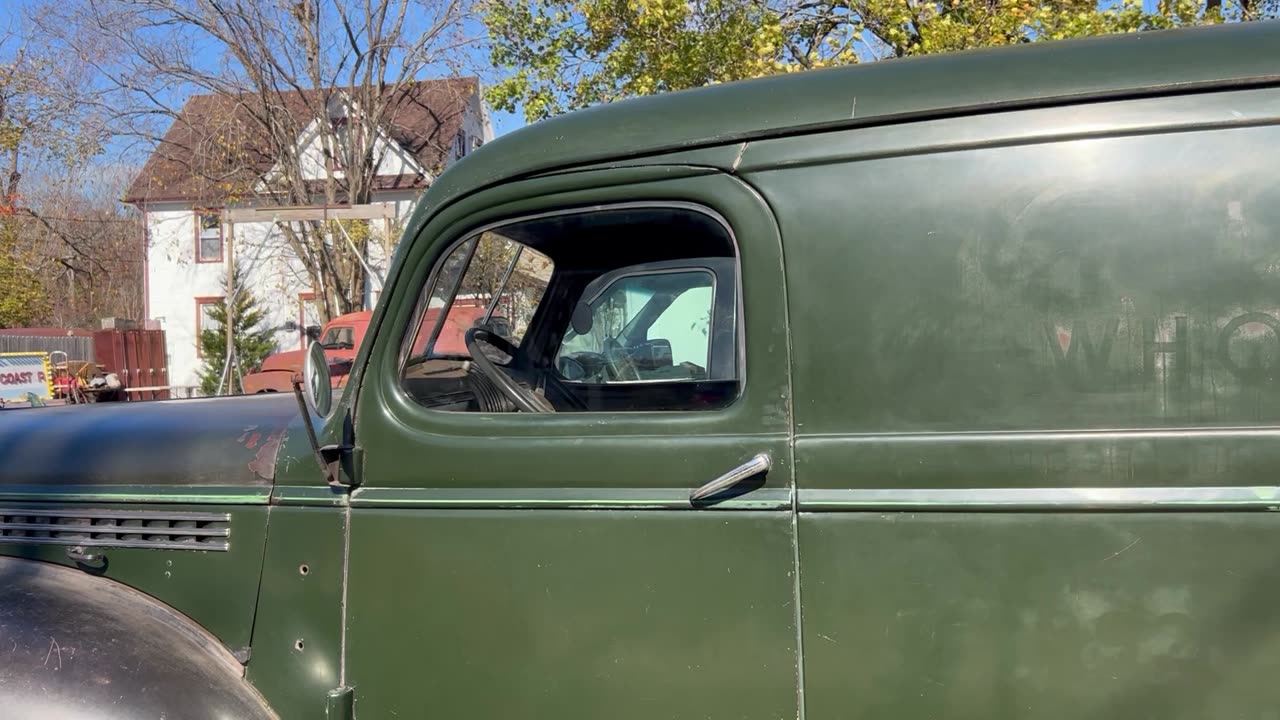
point(146, 363)
point(131, 370)
point(107, 350)
point(120, 353)
point(372, 211)
point(157, 337)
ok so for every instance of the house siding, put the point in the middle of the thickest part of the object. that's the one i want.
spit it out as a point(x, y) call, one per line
point(174, 279)
point(271, 270)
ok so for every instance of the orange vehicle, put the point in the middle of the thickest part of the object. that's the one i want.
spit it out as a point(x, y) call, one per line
point(462, 317)
point(341, 340)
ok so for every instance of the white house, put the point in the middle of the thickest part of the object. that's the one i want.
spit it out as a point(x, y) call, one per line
point(184, 188)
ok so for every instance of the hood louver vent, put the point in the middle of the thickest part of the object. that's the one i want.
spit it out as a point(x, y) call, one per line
point(116, 528)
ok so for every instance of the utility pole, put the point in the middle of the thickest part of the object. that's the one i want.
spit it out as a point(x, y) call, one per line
point(228, 368)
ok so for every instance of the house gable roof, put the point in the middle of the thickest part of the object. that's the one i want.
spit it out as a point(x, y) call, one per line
point(216, 146)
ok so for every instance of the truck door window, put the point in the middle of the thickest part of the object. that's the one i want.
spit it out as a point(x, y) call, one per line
point(647, 327)
point(610, 310)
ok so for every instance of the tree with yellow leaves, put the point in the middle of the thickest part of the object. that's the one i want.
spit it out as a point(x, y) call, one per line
point(22, 295)
point(560, 55)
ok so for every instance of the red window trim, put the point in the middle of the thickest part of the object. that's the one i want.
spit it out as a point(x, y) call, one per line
point(204, 300)
point(222, 241)
point(302, 318)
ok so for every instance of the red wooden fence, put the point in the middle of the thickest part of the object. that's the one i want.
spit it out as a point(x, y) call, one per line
point(137, 357)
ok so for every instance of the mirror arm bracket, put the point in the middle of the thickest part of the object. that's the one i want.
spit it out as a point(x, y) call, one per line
point(332, 459)
point(339, 462)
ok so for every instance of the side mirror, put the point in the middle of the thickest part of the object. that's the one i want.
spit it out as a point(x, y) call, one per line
point(314, 393)
point(316, 381)
point(652, 354)
point(313, 332)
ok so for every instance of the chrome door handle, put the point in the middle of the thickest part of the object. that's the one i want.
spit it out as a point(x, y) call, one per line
point(757, 465)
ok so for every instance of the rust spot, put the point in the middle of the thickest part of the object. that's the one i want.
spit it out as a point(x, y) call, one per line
point(246, 432)
point(263, 463)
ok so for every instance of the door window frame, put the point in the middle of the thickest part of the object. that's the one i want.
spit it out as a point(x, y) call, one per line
point(763, 404)
point(722, 278)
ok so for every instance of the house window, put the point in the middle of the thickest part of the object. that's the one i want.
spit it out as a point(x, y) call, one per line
point(208, 236)
point(335, 149)
point(308, 315)
point(205, 308)
point(460, 145)
point(476, 143)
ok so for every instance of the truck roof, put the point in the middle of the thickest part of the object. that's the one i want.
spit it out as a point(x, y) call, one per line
point(352, 318)
point(1036, 74)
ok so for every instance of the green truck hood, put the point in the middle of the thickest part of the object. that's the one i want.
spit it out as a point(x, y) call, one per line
point(227, 443)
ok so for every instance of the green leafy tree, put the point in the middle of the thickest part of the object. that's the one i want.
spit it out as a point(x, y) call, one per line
point(253, 342)
point(22, 295)
point(561, 55)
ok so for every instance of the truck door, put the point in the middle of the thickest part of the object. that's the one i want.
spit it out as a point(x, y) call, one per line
point(566, 360)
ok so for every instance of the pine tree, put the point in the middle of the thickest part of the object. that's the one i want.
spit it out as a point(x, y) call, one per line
point(253, 342)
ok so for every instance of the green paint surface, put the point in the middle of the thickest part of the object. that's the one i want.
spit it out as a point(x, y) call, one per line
point(301, 606)
point(1030, 615)
point(572, 614)
point(218, 590)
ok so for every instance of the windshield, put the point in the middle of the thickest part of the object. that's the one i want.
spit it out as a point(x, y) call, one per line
point(339, 338)
point(489, 281)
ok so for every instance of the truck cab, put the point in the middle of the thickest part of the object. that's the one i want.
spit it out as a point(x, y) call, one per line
point(945, 387)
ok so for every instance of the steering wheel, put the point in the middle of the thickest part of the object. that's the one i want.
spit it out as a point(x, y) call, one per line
point(618, 361)
point(523, 398)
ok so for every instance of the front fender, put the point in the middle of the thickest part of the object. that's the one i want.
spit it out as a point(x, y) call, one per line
point(79, 647)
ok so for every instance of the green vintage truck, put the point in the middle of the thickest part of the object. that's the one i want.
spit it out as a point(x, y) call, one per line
point(930, 388)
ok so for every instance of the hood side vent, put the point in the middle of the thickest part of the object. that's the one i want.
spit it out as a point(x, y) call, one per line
point(116, 528)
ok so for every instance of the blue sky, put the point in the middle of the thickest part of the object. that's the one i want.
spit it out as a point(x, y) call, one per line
point(506, 122)
point(209, 55)
point(503, 122)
